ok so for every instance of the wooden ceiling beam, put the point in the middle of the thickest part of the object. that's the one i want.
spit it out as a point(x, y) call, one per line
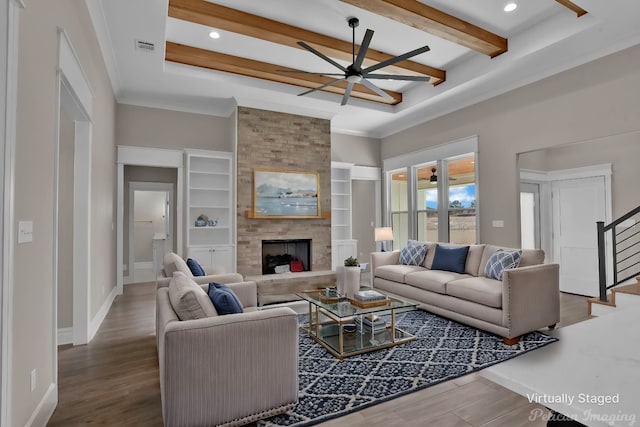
point(436, 22)
point(224, 18)
point(572, 6)
point(247, 67)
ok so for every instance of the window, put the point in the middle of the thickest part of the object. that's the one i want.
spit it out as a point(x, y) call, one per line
point(399, 208)
point(462, 200)
point(431, 194)
point(427, 202)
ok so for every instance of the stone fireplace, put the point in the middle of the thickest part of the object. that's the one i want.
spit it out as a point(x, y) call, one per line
point(287, 142)
point(281, 252)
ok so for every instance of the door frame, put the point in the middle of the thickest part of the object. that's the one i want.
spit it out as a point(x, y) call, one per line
point(143, 156)
point(74, 95)
point(545, 179)
point(9, 20)
point(134, 186)
point(533, 188)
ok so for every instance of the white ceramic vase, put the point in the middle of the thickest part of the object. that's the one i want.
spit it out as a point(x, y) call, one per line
point(351, 281)
point(340, 273)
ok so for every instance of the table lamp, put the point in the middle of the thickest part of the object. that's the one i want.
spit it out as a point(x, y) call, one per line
point(383, 234)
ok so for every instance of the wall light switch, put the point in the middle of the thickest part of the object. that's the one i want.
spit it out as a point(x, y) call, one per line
point(25, 231)
point(497, 223)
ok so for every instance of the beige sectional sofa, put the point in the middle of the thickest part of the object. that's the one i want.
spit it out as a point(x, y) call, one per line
point(526, 299)
point(228, 369)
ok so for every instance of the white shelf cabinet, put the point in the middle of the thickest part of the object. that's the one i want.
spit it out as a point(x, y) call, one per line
point(218, 255)
point(210, 186)
point(342, 245)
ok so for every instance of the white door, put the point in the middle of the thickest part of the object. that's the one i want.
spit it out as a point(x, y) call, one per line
point(577, 205)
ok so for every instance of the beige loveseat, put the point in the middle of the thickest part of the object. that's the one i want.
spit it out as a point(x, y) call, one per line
point(526, 299)
point(228, 369)
point(172, 262)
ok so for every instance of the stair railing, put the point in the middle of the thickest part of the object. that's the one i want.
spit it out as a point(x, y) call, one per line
point(625, 250)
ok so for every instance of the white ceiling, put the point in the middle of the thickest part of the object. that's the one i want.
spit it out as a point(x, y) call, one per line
point(544, 38)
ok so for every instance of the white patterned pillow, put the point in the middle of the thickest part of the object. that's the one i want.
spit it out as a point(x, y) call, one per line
point(501, 260)
point(413, 253)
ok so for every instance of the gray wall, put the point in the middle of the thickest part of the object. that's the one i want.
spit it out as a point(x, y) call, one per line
point(363, 215)
point(359, 150)
point(596, 101)
point(36, 132)
point(153, 127)
point(622, 151)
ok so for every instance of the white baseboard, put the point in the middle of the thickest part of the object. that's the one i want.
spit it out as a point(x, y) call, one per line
point(45, 408)
point(65, 336)
point(102, 313)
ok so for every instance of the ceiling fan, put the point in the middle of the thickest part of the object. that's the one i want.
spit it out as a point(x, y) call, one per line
point(354, 73)
point(434, 177)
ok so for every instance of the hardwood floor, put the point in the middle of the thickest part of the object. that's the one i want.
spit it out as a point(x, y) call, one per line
point(113, 381)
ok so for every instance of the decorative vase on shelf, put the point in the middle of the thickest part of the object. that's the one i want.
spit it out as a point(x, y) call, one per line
point(202, 220)
point(351, 277)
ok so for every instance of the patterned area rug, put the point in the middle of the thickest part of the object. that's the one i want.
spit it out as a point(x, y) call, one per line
point(442, 350)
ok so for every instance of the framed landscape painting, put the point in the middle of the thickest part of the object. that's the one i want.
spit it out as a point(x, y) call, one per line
point(285, 194)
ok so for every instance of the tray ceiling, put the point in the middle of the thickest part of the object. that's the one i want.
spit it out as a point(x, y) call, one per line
point(477, 50)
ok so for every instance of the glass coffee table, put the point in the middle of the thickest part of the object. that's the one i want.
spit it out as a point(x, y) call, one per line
point(347, 327)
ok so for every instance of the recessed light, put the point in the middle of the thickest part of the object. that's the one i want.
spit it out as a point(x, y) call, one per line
point(214, 35)
point(510, 7)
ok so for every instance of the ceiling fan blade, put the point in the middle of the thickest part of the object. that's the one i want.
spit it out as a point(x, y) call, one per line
point(321, 87)
point(322, 55)
point(347, 92)
point(309, 72)
point(396, 59)
point(363, 49)
point(398, 77)
point(376, 89)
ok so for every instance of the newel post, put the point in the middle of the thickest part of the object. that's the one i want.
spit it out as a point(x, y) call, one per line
point(602, 269)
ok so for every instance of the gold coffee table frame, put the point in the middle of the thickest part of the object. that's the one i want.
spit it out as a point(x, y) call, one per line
point(339, 311)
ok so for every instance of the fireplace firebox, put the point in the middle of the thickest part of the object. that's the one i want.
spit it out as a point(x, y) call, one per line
point(278, 255)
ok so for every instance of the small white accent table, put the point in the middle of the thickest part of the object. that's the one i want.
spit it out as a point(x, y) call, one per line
point(592, 374)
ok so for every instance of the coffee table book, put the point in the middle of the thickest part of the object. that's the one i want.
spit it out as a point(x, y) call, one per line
point(368, 304)
point(369, 295)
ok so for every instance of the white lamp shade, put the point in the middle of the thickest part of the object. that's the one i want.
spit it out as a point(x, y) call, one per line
point(383, 234)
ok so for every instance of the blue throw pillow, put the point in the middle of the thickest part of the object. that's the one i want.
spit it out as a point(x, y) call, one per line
point(224, 299)
point(413, 253)
point(195, 267)
point(450, 258)
point(500, 261)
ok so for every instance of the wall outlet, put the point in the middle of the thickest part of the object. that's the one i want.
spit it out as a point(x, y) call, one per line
point(33, 380)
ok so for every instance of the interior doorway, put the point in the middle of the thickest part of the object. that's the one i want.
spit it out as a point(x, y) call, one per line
point(530, 216)
point(570, 202)
point(150, 222)
point(75, 100)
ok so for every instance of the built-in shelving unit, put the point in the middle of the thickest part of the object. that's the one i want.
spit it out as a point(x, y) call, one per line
point(209, 183)
point(342, 245)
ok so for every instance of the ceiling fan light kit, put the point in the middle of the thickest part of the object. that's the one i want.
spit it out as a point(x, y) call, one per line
point(354, 73)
